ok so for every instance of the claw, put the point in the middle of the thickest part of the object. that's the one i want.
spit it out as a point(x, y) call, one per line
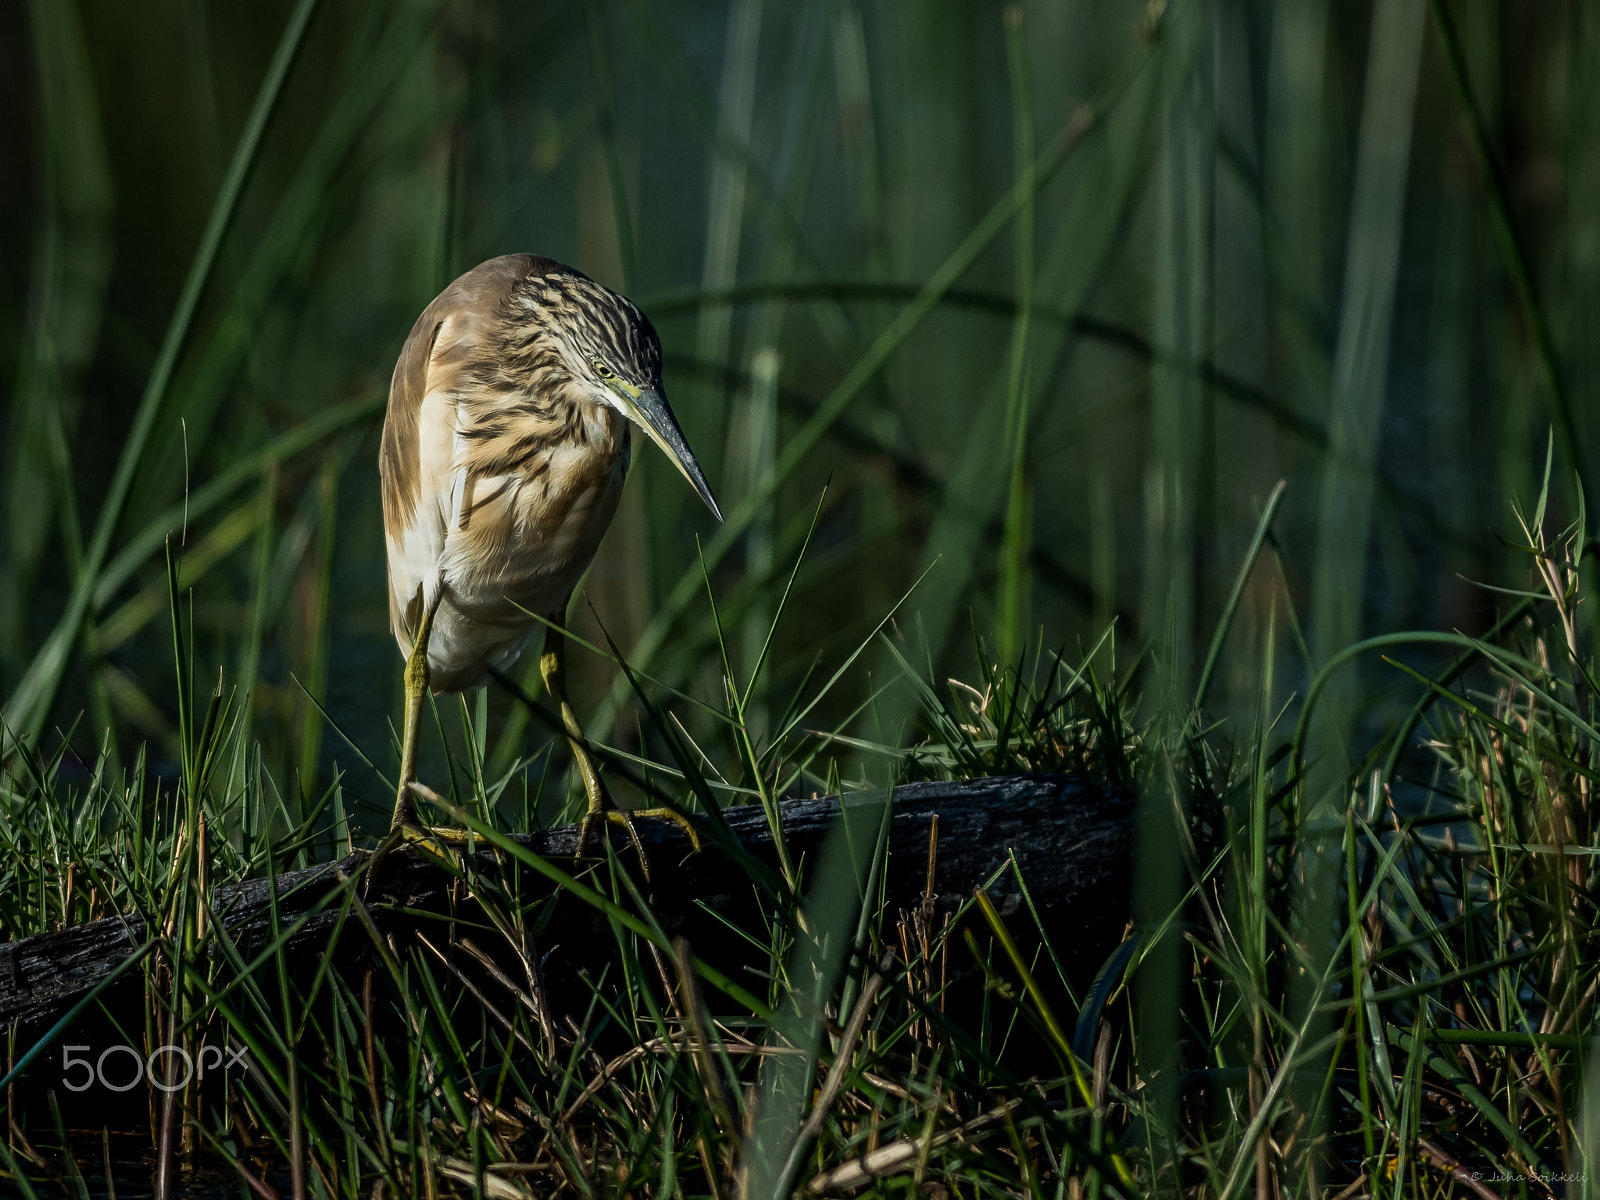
point(677, 818)
point(625, 818)
point(616, 816)
point(433, 840)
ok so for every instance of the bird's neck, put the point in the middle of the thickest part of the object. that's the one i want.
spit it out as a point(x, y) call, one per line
point(599, 427)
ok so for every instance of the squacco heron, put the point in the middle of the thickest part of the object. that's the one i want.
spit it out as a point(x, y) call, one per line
point(504, 451)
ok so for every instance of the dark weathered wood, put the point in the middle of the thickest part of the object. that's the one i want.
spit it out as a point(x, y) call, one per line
point(1072, 841)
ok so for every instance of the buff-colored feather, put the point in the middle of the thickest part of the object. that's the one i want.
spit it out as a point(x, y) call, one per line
point(501, 464)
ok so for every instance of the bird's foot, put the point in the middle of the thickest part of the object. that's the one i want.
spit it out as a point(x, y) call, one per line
point(677, 818)
point(606, 812)
point(433, 840)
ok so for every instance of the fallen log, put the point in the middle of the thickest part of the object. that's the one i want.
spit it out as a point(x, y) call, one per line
point(1071, 841)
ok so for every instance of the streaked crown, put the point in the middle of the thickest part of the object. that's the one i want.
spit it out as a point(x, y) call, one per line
point(588, 333)
point(573, 340)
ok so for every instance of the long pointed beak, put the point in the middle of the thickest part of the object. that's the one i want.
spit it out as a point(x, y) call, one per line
point(654, 416)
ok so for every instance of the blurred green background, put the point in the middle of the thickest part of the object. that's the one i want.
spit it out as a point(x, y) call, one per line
point(1029, 306)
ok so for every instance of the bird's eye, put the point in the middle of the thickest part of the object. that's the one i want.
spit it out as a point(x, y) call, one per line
point(601, 369)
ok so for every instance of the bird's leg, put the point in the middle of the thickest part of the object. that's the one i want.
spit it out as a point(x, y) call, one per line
point(404, 826)
point(553, 666)
point(417, 678)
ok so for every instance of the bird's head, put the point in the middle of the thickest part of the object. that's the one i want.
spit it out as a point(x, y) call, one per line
point(612, 356)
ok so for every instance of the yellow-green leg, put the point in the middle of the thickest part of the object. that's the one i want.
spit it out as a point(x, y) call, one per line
point(404, 826)
point(417, 680)
point(553, 666)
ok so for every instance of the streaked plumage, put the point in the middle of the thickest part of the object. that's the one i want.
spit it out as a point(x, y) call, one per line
point(504, 452)
point(504, 455)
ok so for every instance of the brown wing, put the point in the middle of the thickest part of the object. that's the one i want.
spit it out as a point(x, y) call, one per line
point(454, 334)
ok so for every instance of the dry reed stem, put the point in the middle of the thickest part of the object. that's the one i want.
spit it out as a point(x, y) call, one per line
point(902, 1155)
